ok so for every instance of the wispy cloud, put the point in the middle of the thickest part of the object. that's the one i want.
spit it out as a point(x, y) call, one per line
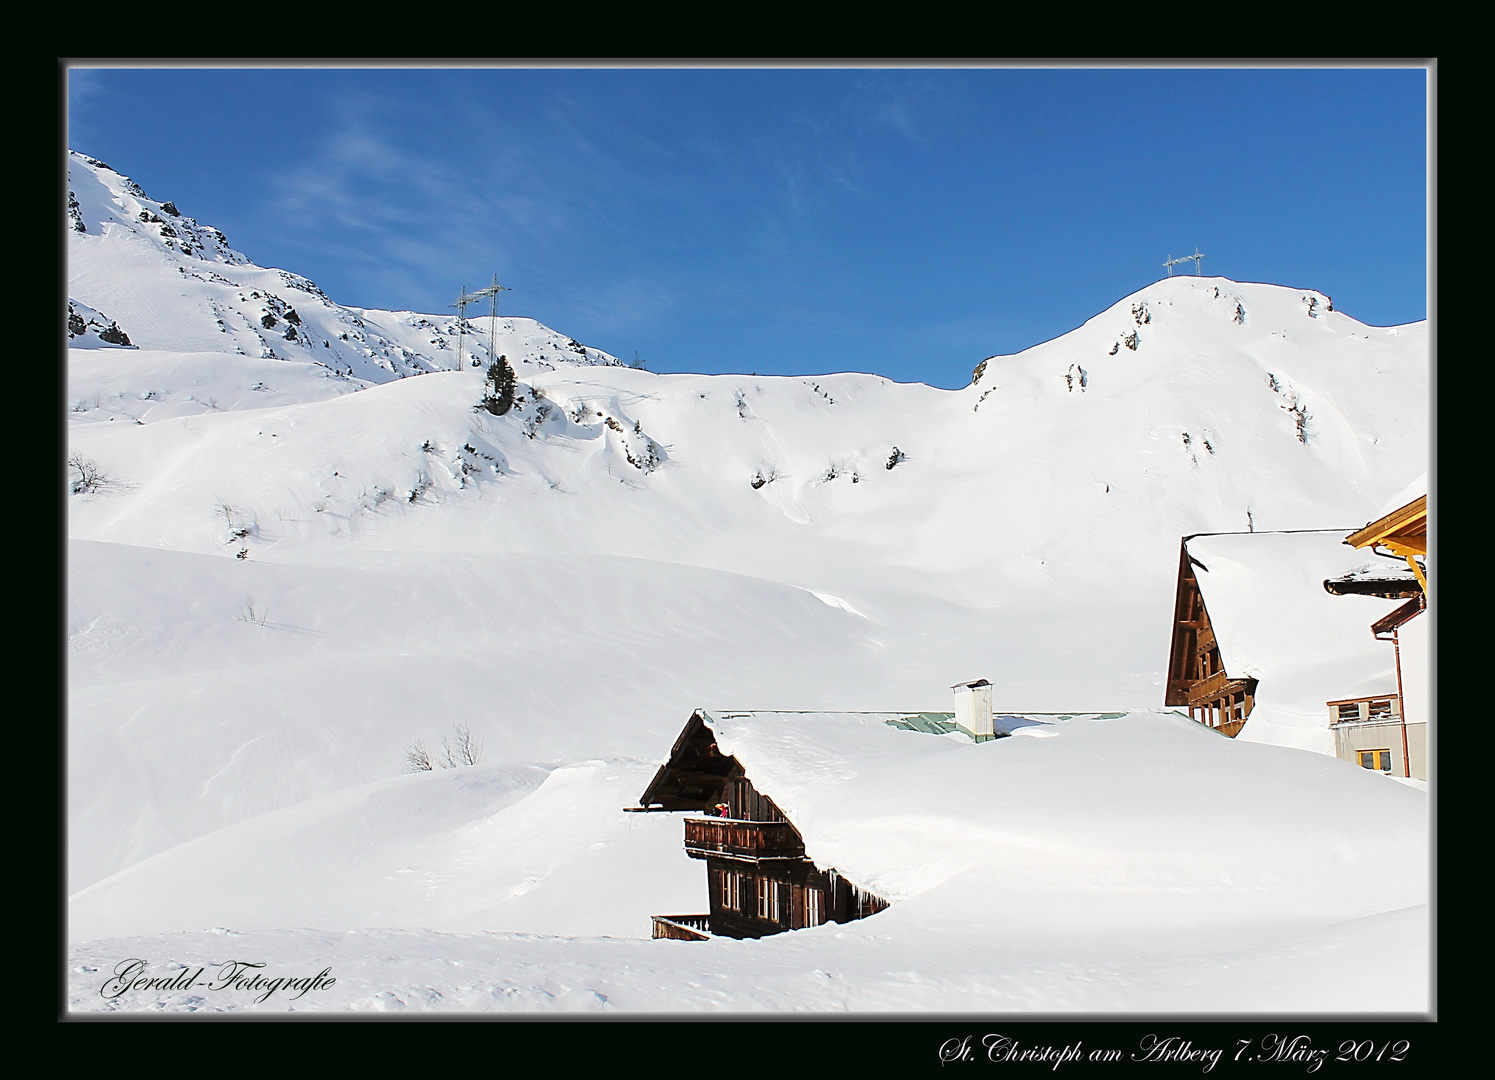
point(86, 88)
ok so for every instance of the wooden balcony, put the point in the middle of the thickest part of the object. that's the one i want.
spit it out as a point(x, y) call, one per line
point(731, 838)
point(1217, 685)
point(682, 927)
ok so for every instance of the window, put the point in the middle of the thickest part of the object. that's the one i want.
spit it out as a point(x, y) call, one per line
point(770, 900)
point(1376, 759)
point(731, 891)
point(814, 907)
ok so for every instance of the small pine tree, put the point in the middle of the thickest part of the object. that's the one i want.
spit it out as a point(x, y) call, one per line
point(498, 397)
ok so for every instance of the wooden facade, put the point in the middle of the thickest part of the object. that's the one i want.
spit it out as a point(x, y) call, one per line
point(759, 880)
point(1197, 678)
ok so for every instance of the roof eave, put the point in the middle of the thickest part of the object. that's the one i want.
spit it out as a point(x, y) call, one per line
point(1404, 528)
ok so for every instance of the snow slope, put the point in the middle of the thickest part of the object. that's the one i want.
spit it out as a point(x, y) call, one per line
point(300, 557)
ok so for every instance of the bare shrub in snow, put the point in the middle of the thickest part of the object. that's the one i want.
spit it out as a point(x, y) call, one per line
point(251, 612)
point(460, 747)
point(88, 476)
point(240, 526)
point(418, 758)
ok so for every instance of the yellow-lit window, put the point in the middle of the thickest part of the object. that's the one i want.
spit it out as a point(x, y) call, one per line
point(1376, 759)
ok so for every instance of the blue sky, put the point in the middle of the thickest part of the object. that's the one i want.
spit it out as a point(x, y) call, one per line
point(801, 221)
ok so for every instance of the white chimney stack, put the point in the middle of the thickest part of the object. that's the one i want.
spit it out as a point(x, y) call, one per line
point(973, 708)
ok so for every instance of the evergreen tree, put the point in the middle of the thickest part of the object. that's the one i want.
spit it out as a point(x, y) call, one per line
point(498, 397)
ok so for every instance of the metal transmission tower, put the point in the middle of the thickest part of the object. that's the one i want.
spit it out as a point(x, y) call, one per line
point(491, 294)
point(1195, 258)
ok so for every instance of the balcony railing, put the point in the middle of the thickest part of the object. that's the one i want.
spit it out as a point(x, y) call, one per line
point(1213, 687)
point(742, 839)
point(1382, 709)
point(682, 927)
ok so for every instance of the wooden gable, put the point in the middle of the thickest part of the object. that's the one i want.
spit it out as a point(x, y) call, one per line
point(1197, 677)
point(696, 774)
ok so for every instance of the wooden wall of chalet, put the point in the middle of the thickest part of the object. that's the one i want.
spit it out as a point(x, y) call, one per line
point(1196, 673)
point(755, 900)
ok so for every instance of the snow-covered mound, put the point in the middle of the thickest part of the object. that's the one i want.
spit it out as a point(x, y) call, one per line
point(207, 691)
point(480, 847)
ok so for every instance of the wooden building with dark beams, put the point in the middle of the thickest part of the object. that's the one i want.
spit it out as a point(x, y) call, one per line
point(1197, 678)
point(759, 879)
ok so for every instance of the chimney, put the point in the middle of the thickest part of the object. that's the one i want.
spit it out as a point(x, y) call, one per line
point(973, 708)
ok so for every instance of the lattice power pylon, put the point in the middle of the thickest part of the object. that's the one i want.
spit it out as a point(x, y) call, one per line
point(1195, 258)
point(491, 294)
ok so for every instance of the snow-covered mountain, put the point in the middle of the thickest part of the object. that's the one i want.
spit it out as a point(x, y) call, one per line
point(294, 557)
point(173, 285)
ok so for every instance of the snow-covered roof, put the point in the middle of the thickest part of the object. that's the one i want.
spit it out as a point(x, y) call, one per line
point(1406, 495)
point(899, 811)
point(1275, 622)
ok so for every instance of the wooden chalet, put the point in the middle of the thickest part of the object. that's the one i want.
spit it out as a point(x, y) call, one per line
point(759, 879)
point(1197, 678)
